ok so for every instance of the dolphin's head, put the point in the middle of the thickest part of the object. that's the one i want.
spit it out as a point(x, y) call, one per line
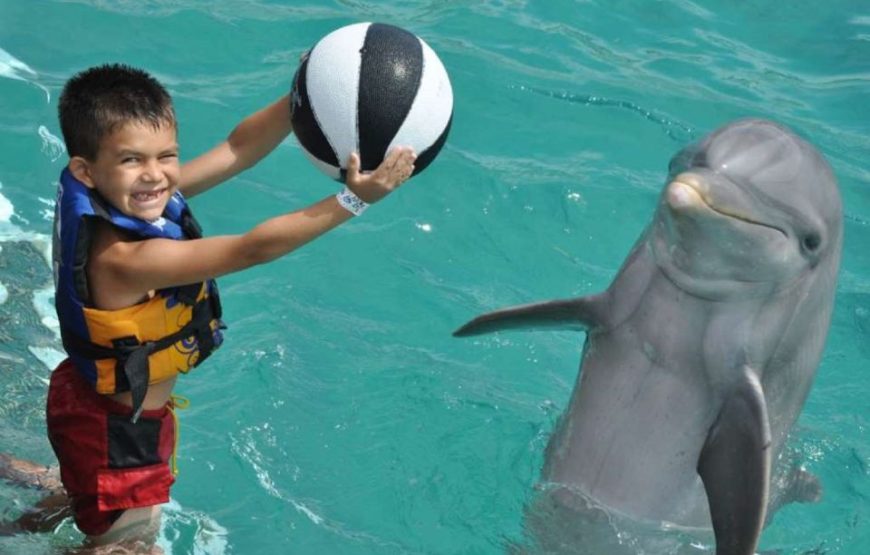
point(750, 208)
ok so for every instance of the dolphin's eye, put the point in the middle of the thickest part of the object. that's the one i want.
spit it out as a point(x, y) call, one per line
point(811, 241)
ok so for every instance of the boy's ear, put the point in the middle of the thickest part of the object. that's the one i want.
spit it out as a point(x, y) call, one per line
point(81, 170)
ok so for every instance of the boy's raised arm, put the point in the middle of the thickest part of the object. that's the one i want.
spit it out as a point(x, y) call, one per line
point(136, 267)
point(252, 139)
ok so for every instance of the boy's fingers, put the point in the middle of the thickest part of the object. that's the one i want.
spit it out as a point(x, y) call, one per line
point(400, 153)
point(401, 161)
point(397, 166)
point(353, 166)
point(407, 163)
point(391, 160)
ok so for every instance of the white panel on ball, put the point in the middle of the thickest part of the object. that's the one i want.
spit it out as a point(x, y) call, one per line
point(333, 85)
point(432, 107)
point(328, 169)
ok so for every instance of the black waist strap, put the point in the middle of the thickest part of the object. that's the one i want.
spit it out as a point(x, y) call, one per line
point(132, 356)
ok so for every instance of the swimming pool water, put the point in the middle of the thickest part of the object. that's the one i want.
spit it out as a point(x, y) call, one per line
point(341, 416)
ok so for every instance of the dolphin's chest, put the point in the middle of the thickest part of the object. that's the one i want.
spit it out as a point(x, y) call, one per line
point(640, 414)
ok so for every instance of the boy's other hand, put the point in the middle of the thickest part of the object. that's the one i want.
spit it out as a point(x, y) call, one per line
point(393, 171)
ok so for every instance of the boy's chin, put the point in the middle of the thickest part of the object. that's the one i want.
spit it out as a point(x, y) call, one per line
point(149, 212)
point(148, 215)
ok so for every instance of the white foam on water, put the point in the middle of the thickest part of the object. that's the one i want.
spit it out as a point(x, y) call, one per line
point(43, 243)
point(9, 232)
point(6, 209)
point(43, 299)
point(47, 211)
point(48, 356)
point(43, 303)
point(209, 537)
point(52, 146)
point(11, 358)
point(13, 68)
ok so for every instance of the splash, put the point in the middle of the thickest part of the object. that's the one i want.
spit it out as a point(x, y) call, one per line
point(43, 304)
point(52, 146)
point(42, 299)
point(181, 526)
point(6, 211)
point(13, 68)
point(9, 232)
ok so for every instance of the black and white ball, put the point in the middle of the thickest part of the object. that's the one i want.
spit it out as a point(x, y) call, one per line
point(366, 88)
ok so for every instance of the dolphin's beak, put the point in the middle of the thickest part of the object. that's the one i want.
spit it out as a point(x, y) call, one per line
point(691, 192)
point(687, 190)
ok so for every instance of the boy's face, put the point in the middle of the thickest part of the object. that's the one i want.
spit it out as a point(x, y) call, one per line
point(136, 169)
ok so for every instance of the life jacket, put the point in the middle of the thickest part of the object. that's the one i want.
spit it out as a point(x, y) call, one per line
point(147, 343)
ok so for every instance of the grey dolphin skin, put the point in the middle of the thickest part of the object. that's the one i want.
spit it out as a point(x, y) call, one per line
point(701, 353)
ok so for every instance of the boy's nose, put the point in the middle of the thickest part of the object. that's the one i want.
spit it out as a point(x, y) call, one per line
point(152, 171)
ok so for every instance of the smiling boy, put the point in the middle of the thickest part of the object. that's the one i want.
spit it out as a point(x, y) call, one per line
point(135, 290)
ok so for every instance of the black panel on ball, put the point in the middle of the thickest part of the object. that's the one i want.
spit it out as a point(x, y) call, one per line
point(392, 64)
point(425, 158)
point(305, 124)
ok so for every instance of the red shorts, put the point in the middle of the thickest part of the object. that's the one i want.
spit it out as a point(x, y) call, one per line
point(107, 463)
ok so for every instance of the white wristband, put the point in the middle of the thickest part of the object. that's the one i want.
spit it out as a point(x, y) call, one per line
point(350, 202)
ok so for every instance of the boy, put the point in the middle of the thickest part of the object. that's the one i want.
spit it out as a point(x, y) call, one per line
point(135, 292)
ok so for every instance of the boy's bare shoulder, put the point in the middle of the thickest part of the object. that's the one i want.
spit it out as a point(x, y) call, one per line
point(105, 240)
point(111, 251)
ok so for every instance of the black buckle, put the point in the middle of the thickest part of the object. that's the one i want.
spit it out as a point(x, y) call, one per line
point(126, 344)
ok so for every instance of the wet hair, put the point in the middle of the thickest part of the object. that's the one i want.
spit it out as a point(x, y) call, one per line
point(99, 100)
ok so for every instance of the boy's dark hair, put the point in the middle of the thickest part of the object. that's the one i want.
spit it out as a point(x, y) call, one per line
point(99, 100)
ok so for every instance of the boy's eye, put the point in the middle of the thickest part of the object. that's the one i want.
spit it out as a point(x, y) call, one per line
point(169, 156)
point(128, 159)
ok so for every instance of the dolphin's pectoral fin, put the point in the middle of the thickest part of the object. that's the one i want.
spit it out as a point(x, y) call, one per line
point(803, 487)
point(735, 468)
point(797, 485)
point(580, 314)
point(792, 485)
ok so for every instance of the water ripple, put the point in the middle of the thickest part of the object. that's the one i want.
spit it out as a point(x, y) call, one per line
point(225, 10)
point(226, 89)
point(676, 130)
point(247, 448)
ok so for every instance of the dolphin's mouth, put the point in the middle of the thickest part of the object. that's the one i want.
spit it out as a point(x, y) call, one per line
point(693, 191)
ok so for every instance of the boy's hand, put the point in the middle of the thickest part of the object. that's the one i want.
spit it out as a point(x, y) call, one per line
point(393, 171)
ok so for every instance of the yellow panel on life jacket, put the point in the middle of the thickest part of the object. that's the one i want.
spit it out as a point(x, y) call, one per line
point(147, 321)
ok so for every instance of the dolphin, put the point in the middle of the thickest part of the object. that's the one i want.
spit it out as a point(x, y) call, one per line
point(701, 353)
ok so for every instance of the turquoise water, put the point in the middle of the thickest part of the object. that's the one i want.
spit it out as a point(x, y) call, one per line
point(341, 417)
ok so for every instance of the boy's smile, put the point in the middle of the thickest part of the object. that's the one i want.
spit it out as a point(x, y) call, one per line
point(136, 169)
